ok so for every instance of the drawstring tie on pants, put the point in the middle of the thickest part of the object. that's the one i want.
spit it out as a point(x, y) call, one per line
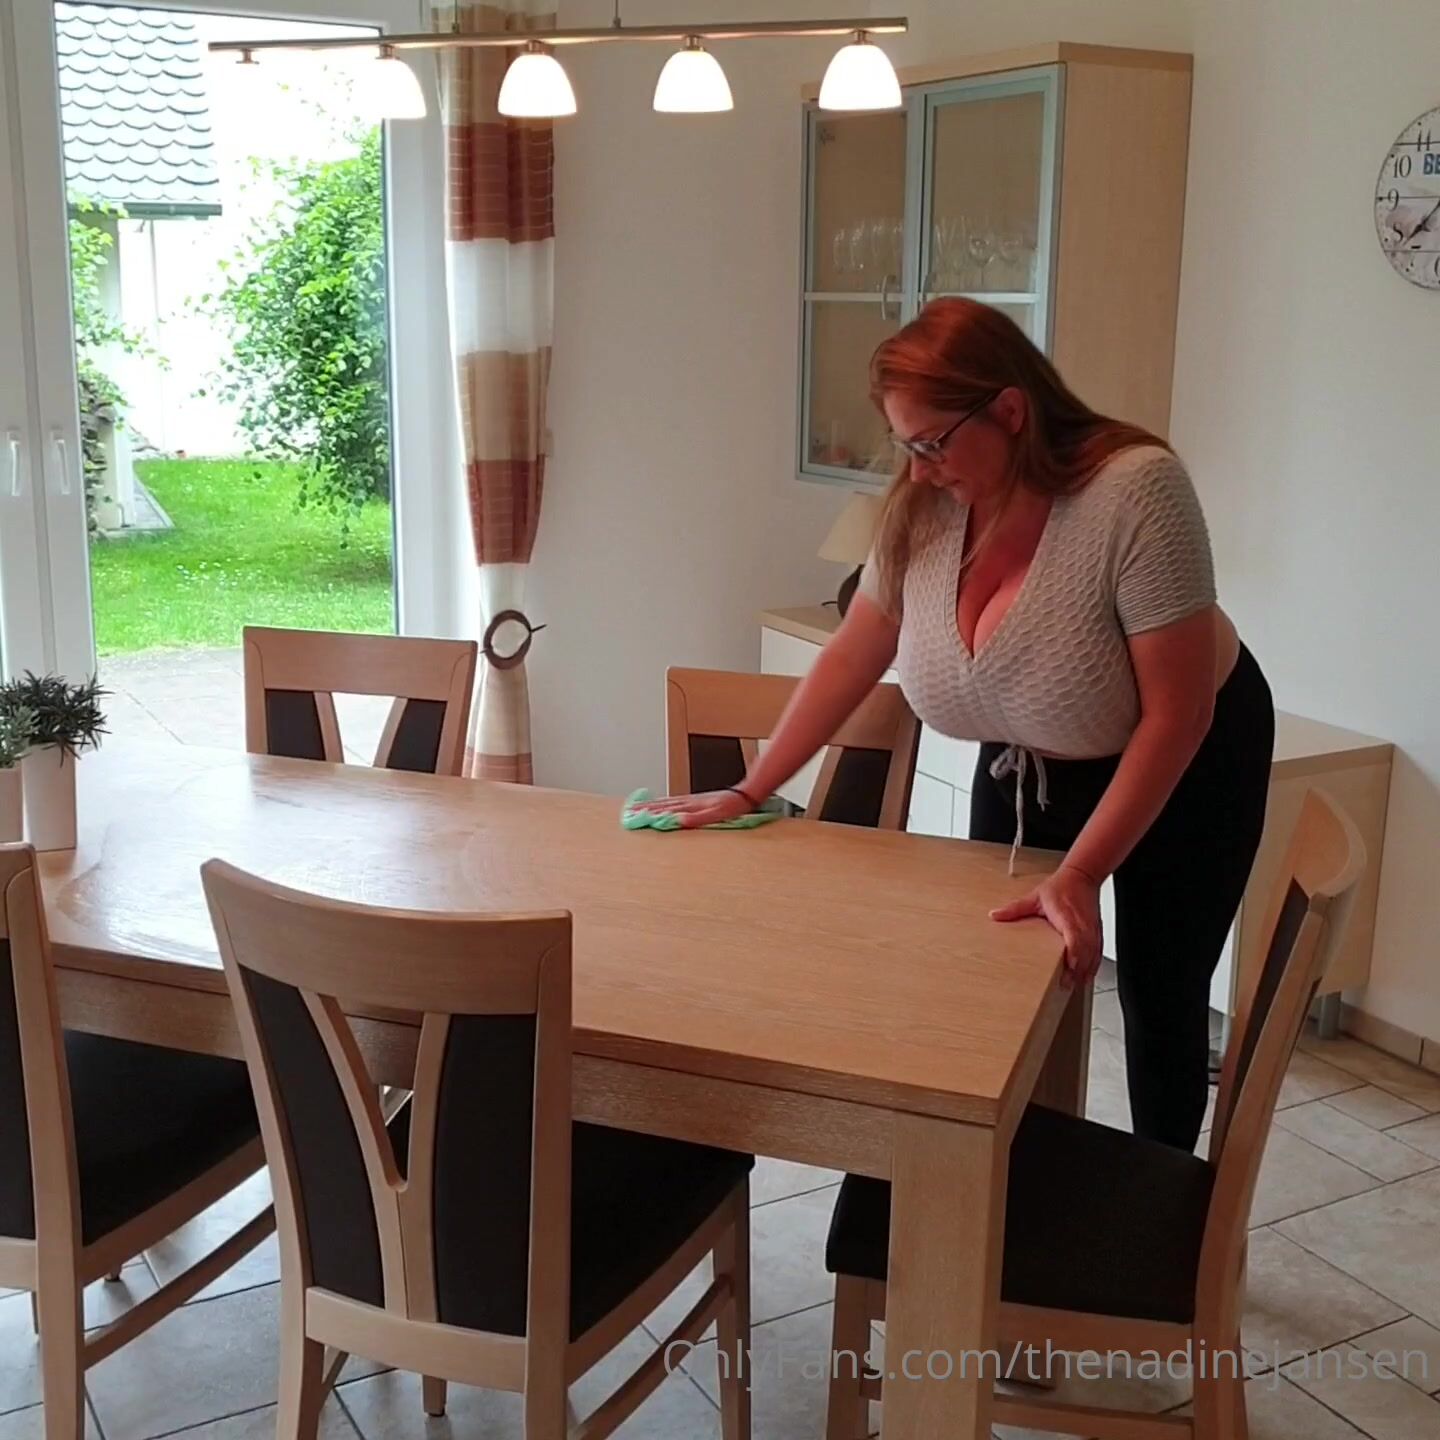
point(1015, 760)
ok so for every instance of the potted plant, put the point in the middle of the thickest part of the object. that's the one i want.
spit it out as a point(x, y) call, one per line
point(15, 728)
point(66, 720)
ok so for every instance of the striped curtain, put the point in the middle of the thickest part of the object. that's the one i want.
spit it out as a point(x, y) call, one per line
point(499, 265)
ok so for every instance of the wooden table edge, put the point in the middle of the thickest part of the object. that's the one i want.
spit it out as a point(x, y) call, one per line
point(154, 983)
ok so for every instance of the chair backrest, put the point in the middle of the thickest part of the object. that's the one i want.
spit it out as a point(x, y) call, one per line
point(715, 720)
point(458, 1212)
point(292, 676)
point(37, 1140)
point(1306, 921)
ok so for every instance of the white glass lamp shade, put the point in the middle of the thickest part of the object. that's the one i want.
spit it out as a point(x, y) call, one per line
point(536, 86)
point(388, 90)
point(692, 83)
point(853, 532)
point(860, 77)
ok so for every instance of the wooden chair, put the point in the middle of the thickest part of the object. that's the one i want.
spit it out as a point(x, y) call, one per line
point(479, 1236)
point(1118, 1245)
point(106, 1147)
point(715, 720)
point(291, 677)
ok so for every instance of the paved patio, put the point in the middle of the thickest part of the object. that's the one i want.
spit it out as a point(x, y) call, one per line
point(198, 698)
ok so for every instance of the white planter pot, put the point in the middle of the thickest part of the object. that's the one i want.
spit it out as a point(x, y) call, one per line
point(48, 775)
point(11, 810)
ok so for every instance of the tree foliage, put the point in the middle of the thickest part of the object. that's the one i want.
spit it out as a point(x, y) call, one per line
point(306, 305)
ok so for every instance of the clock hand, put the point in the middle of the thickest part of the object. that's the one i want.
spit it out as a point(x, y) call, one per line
point(1434, 210)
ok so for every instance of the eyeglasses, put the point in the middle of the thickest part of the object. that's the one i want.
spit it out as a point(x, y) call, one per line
point(933, 449)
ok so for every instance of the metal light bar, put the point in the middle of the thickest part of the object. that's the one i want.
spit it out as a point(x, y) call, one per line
point(512, 39)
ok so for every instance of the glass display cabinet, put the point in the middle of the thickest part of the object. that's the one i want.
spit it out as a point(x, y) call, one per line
point(1048, 183)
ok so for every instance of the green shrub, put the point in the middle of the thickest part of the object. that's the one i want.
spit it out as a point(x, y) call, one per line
point(306, 304)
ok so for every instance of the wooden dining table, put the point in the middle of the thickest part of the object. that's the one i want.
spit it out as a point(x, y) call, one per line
point(821, 993)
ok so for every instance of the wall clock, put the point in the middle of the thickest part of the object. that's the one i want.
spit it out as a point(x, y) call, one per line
point(1407, 202)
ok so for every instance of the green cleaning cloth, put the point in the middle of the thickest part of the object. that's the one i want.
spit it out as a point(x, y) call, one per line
point(633, 819)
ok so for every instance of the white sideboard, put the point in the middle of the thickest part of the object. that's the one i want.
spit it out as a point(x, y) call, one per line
point(1353, 768)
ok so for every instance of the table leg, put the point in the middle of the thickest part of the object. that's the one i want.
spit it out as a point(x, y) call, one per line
point(947, 1223)
point(1065, 1075)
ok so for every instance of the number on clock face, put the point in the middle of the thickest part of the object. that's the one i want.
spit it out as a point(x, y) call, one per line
point(1407, 202)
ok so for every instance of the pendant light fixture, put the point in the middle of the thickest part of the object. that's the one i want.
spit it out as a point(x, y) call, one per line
point(389, 88)
point(860, 77)
point(536, 86)
point(692, 83)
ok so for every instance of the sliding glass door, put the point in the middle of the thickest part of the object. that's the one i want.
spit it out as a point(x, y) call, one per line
point(208, 257)
point(22, 644)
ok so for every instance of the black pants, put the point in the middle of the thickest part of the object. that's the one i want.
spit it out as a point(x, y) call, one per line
point(1176, 895)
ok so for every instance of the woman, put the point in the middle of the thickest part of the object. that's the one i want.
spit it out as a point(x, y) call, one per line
point(1042, 578)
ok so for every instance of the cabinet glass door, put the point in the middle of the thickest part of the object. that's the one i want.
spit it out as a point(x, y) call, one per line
point(953, 195)
point(988, 186)
point(855, 285)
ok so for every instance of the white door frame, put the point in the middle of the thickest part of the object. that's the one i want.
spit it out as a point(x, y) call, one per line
point(22, 639)
point(419, 369)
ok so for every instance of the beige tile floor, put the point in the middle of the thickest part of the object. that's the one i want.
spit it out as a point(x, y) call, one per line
point(1344, 1269)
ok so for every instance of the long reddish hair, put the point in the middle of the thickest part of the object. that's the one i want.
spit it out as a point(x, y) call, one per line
point(953, 356)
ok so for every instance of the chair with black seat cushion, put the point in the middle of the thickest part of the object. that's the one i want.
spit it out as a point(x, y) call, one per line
point(1119, 1245)
point(479, 1236)
point(106, 1148)
point(715, 720)
point(292, 677)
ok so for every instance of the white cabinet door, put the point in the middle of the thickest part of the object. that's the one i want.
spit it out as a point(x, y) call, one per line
point(782, 654)
point(1222, 979)
point(1107, 918)
point(932, 806)
point(952, 761)
point(964, 754)
point(939, 803)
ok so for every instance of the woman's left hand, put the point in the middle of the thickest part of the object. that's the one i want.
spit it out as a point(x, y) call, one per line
point(1070, 900)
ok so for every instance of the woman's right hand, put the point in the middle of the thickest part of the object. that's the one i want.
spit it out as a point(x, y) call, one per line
point(704, 809)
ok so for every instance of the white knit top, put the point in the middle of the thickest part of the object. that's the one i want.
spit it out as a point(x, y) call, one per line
point(1128, 553)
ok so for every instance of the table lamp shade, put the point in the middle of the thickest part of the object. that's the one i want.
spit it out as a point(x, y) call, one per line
point(853, 532)
point(850, 539)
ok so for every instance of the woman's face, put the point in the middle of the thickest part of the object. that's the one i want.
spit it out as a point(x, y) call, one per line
point(975, 460)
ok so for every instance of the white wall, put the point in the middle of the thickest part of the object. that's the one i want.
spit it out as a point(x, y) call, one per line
point(671, 514)
point(1305, 387)
point(1306, 403)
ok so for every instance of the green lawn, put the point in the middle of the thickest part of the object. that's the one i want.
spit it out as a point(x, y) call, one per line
point(240, 554)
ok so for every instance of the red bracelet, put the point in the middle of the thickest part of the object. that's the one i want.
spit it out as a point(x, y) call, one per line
point(736, 790)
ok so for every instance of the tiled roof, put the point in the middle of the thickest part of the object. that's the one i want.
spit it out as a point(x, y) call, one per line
point(134, 111)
